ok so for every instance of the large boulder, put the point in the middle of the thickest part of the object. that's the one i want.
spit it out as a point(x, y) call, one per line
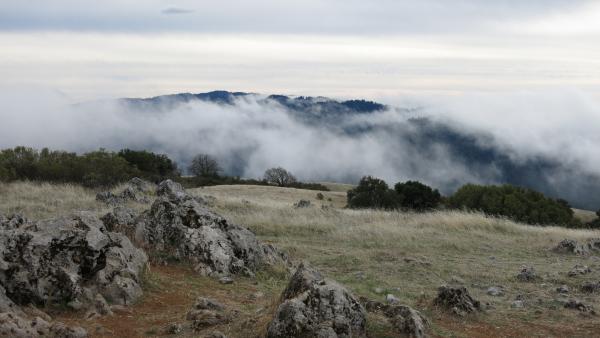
point(68, 261)
point(313, 306)
point(180, 225)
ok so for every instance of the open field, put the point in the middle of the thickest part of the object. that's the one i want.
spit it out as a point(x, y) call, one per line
point(406, 254)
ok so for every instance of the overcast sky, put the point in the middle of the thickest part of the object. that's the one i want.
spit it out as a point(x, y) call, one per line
point(342, 48)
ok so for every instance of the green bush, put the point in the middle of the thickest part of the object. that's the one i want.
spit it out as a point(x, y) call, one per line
point(154, 167)
point(374, 193)
point(520, 204)
point(417, 196)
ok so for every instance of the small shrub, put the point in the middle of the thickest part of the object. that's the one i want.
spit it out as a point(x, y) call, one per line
point(320, 196)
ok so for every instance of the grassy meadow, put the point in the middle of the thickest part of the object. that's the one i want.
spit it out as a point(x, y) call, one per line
point(406, 254)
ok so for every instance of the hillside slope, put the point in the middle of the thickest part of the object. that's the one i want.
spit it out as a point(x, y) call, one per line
point(405, 254)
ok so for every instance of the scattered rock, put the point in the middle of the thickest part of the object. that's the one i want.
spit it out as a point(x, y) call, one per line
point(574, 247)
point(391, 299)
point(580, 306)
point(205, 313)
point(174, 328)
point(14, 221)
point(60, 330)
point(527, 274)
point(226, 280)
point(378, 290)
point(517, 304)
point(495, 291)
point(360, 275)
point(16, 326)
point(591, 287)
point(302, 204)
point(562, 289)
point(202, 319)
point(314, 306)
point(457, 299)
point(178, 225)
point(207, 304)
point(570, 246)
point(405, 319)
point(102, 306)
point(579, 270)
point(32, 312)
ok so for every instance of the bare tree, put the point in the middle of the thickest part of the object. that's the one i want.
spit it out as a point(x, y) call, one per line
point(280, 177)
point(204, 165)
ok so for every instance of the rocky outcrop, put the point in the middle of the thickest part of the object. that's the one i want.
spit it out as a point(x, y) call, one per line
point(15, 326)
point(206, 313)
point(406, 320)
point(181, 226)
point(527, 274)
point(579, 270)
point(591, 287)
point(457, 299)
point(15, 323)
point(572, 246)
point(576, 304)
point(68, 261)
point(313, 306)
point(136, 190)
point(125, 221)
point(302, 204)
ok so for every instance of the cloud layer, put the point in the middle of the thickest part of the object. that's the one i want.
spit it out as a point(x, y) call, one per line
point(273, 16)
point(252, 135)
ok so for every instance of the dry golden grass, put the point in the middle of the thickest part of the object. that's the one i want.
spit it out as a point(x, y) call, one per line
point(45, 200)
point(407, 254)
point(411, 254)
point(339, 187)
point(585, 215)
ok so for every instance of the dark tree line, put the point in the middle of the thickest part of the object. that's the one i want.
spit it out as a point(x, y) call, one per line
point(520, 204)
point(93, 169)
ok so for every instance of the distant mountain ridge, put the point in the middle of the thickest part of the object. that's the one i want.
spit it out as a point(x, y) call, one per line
point(298, 103)
point(422, 138)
